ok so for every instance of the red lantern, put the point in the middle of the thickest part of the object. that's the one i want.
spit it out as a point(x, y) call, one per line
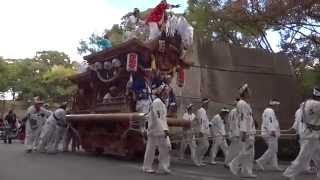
point(132, 62)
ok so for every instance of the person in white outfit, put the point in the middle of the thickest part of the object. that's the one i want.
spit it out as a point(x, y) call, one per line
point(61, 128)
point(35, 117)
point(157, 19)
point(299, 127)
point(270, 131)
point(158, 134)
point(247, 135)
point(48, 113)
point(51, 132)
point(218, 132)
point(310, 138)
point(234, 135)
point(133, 21)
point(188, 135)
point(203, 132)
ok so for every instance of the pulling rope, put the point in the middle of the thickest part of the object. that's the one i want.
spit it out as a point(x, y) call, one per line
point(194, 136)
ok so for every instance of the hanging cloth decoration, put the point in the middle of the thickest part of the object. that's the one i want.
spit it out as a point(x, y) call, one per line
point(180, 76)
point(153, 63)
point(101, 78)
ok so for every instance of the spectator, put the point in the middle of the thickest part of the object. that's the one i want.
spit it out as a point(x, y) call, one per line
point(10, 123)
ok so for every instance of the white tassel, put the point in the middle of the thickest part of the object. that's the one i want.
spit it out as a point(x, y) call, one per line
point(184, 29)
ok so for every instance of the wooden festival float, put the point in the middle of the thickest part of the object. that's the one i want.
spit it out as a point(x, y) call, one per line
point(111, 127)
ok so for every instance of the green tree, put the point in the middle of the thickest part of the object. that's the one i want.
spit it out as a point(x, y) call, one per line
point(3, 83)
point(27, 78)
point(115, 34)
point(48, 59)
point(3, 74)
point(57, 87)
point(310, 79)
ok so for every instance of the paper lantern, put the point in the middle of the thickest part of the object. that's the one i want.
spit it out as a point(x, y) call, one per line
point(98, 65)
point(132, 62)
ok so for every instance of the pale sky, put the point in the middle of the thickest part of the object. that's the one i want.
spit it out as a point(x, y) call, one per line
point(28, 26)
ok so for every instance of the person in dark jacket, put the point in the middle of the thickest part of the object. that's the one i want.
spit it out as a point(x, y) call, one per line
point(10, 124)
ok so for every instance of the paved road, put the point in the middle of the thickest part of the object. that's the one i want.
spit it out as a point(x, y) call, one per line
point(17, 165)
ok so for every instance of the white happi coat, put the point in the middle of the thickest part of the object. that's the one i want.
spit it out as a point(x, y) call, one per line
point(270, 124)
point(203, 121)
point(234, 126)
point(203, 128)
point(217, 126)
point(298, 125)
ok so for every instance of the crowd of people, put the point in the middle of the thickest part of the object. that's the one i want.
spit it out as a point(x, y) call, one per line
point(238, 126)
point(233, 131)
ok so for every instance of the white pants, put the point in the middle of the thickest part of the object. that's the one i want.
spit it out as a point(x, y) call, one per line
point(57, 137)
point(188, 141)
point(32, 136)
point(245, 158)
point(46, 136)
point(202, 148)
point(219, 142)
point(271, 155)
point(37, 136)
point(233, 149)
point(309, 149)
point(313, 158)
point(164, 146)
point(154, 31)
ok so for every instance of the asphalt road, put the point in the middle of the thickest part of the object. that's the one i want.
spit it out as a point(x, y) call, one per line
point(15, 164)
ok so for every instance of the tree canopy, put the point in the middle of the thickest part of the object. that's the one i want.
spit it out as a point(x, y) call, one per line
point(246, 23)
point(45, 75)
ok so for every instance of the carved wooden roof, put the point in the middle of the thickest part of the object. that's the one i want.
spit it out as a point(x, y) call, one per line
point(133, 45)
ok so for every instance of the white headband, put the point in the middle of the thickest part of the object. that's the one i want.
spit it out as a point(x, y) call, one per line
point(225, 110)
point(243, 88)
point(189, 106)
point(205, 101)
point(316, 92)
point(274, 103)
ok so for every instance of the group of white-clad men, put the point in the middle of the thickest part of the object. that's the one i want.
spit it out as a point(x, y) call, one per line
point(45, 129)
point(239, 127)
